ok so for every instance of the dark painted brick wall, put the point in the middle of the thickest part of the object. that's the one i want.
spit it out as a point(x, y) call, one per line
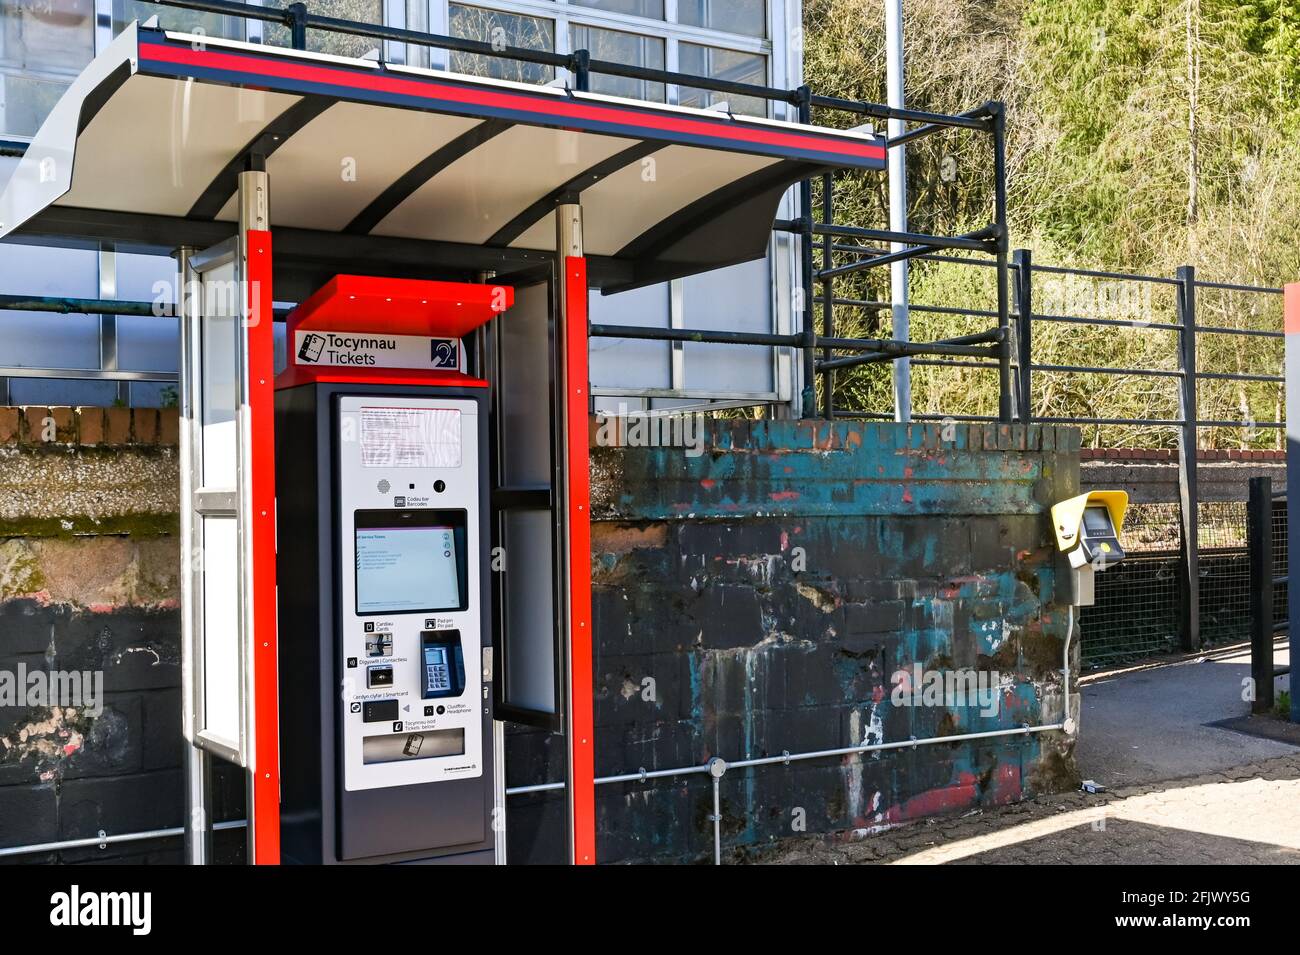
point(758, 598)
point(65, 774)
point(89, 570)
point(751, 600)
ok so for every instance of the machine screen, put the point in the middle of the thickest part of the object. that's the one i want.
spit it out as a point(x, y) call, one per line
point(1096, 521)
point(408, 566)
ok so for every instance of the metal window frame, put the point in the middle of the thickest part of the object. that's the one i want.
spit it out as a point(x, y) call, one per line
point(203, 502)
point(628, 23)
point(783, 69)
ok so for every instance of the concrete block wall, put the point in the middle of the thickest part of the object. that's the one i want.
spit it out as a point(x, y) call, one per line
point(760, 598)
point(89, 567)
point(1151, 475)
point(753, 599)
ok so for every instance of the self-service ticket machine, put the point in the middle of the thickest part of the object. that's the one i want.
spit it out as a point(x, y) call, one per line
point(385, 649)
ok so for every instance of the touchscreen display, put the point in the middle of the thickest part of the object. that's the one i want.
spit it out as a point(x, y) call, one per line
point(1096, 521)
point(403, 569)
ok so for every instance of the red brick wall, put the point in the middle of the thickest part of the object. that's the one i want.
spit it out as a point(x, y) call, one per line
point(89, 426)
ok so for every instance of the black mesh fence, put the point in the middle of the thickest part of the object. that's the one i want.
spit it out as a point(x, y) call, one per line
point(1135, 614)
point(1280, 606)
point(1225, 572)
point(1136, 609)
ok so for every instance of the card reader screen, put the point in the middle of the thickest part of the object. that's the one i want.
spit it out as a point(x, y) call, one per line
point(1096, 521)
point(437, 670)
point(409, 565)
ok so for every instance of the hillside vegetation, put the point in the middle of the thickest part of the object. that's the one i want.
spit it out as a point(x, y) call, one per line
point(1141, 136)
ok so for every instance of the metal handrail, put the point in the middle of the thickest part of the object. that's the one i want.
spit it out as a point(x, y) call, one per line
point(298, 20)
point(104, 839)
point(715, 767)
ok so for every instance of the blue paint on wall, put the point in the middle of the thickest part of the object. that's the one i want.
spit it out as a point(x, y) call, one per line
point(777, 584)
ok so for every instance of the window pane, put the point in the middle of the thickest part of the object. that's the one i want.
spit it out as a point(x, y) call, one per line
point(171, 18)
point(417, 18)
point(723, 65)
point(618, 47)
point(654, 9)
point(731, 16)
point(25, 101)
point(44, 35)
point(219, 332)
point(501, 29)
point(339, 44)
point(56, 38)
point(631, 363)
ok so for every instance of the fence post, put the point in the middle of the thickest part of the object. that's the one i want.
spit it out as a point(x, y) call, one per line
point(1022, 263)
point(297, 13)
point(997, 114)
point(802, 98)
point(828, 294)
point(582, 71)
point(1259, 549)
point(1291, 344)
point(1190, 591)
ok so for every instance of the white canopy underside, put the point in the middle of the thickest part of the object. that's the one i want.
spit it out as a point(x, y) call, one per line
point(160, 124)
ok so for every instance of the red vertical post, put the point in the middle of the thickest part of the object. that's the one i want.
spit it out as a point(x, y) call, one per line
point(265, 768)
point(578, 469)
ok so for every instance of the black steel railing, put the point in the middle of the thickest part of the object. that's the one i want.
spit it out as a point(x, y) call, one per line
point(1187, 422)
point(1097, 404)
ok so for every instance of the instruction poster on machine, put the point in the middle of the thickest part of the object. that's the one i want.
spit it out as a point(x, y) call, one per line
point(410, 437)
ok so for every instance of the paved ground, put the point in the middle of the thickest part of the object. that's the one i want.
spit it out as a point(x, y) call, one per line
point(1145, 725)
point(1249, 815)
point(1225, 798)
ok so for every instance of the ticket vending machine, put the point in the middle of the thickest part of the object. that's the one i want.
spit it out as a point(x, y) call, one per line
point(385, 663)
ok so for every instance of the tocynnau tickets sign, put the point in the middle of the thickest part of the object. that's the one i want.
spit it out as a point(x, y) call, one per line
point(375, 351)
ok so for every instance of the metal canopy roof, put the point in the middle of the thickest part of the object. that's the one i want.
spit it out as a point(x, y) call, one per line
point(147, 144)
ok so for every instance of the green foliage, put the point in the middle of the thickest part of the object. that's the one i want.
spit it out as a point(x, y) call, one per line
point(1142, 135)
